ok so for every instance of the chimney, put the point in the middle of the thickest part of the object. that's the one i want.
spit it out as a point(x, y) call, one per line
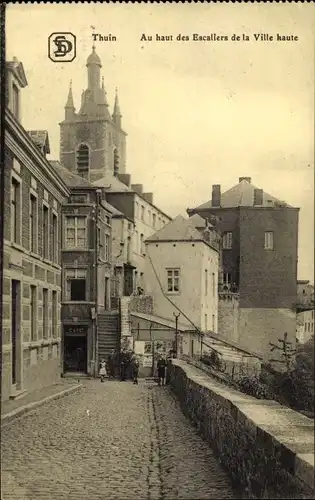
point(138, 188)
point(258, 197)
point(247, 179)
point(216, 195)
point(148, 197)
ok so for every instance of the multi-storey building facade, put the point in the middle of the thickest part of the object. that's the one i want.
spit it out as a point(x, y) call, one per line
point(33, 196)
point(86, 270)
point(259, 261)
point(145, 219)
point(182, 267)
point(122, 240)
point(93, 145)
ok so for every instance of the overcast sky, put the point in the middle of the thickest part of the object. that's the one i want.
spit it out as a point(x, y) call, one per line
point(196, 113)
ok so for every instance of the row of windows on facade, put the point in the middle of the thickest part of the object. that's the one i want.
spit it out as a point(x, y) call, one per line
point(49, 223)
point(152, 219)
point(173, 281)
point(227, 240)
point(309, 327)
point(76, 228)
point(77, 237)
point(45, 307)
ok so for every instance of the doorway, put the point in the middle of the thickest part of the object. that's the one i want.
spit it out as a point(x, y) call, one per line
point(128, 280)
point(75, 351)
point(14, 329)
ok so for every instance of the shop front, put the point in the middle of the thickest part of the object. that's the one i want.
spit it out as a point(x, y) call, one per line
point(75, 348)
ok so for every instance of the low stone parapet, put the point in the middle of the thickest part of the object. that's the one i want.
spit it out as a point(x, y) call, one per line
point(267, 448)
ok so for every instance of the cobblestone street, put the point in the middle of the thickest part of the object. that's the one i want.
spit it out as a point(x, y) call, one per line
point(109, 441)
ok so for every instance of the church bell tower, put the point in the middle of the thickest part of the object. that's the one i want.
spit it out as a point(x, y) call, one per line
point(92, 141)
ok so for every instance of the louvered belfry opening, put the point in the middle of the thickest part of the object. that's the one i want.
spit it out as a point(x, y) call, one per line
point(83, 160)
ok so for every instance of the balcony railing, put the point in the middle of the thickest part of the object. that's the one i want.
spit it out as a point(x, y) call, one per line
point(228, 288)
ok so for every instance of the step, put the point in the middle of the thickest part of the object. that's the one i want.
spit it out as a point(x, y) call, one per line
point(108, 330)
point(107, 319)
point(108, 325)
point(107, 338)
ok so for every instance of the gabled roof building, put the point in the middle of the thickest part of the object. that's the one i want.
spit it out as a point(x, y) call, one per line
point(259, 242)
point(182, 265)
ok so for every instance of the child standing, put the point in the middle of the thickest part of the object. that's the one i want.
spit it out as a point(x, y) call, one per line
point(103, 370)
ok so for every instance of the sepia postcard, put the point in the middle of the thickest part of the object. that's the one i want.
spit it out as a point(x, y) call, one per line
point(157, 250)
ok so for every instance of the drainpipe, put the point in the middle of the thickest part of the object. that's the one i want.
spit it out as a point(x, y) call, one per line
point(176, 333)
point(96, 258)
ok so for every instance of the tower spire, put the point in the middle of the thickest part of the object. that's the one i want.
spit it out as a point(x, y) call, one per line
point(69, 107)
point(102, 100)
point(93, 33)
point(70, 103)
point(117, 114)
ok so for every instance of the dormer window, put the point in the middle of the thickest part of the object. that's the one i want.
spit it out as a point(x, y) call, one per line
point(83, 160)
point(15, 81)
point(15, 101)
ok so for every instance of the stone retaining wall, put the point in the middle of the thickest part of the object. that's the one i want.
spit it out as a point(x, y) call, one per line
point(141, 303)
point(267, 448)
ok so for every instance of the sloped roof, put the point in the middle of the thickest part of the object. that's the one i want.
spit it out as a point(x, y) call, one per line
point(109, 207)
point(110, 180)
point(241, 195)
point(179, 229)
point(117, 212)
point(40, 138)
point(71, 179)
point(18, 70)
point(199, 222)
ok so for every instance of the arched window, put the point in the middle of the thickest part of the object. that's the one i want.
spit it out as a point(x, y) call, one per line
point(83, 160)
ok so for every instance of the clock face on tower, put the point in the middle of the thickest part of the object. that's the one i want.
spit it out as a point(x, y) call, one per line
point(83, 133)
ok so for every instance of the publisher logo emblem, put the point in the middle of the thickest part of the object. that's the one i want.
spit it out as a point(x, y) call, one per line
point(62, 47)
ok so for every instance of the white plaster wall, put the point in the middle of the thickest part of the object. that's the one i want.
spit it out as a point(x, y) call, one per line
point(191, 259)
point(146, 228)
point(209, 297)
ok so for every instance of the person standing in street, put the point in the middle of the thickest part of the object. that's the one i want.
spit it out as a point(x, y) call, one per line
point(161, 367)
point(103, 370)
point(123, 361)
point(135, 370)
point(111, 365)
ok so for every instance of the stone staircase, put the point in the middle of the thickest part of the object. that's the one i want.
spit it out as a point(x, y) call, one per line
point(108, 333)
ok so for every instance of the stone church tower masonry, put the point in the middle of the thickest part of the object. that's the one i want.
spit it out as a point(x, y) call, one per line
point(92, 141)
